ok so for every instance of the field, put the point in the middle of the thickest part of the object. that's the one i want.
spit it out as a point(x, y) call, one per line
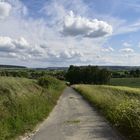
point(24, 103)
point(26, 99)
point(120, 105)
point(130, 82)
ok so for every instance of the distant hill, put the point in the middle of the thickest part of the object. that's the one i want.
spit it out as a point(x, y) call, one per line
point(12, 66)
point(120, 67)
point(53, 68)
point(57, 68)
point(113, 68)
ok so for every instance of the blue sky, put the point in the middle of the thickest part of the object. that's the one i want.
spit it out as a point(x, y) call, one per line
point(42, 33)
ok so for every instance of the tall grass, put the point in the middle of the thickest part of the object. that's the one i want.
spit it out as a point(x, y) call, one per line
point(120, 105)
point(23, 103)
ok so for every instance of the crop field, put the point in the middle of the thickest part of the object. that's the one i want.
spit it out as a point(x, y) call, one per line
point(129, 82)
point(120, 105)
point(24, 103)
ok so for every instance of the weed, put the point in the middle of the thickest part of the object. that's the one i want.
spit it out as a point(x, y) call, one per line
point(120, 105)
point(23, 103)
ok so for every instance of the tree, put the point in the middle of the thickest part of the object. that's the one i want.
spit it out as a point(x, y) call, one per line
point(87, 75)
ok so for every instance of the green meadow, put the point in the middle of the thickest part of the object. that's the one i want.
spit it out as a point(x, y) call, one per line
point(24, 103)
point(129, 82)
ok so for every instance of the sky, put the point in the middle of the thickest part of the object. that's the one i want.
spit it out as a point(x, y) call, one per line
point(46, 33)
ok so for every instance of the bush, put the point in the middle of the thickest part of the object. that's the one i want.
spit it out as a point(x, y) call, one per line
point(49, 82)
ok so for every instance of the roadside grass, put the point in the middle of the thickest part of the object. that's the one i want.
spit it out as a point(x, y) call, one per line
point(23, 104)
point(130, 82)
point(120, 105)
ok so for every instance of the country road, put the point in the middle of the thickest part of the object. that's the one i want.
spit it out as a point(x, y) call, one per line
point(74, 119)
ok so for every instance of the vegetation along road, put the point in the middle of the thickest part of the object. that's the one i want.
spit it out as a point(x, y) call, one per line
point(74, 119)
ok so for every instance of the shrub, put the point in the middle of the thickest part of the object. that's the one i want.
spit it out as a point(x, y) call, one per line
point(49, 82)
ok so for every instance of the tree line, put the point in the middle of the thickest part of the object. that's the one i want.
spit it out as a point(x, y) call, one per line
point(87, 75)
point(126, 74)
point(32, 74)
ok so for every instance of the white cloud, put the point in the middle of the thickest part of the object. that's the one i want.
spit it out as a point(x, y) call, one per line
point(108, 49)
point(125, 27)
point(8, 44)
point(22, 50)
point(21, 43)
point(138, 44)
point(77, 25)
point(37, 42)
point(57, 10)
point(127, 50)
point(33, 40)
point(70, 54)
point(5, 9)
point(132, 5)
point(12, 54)
point(126, 44)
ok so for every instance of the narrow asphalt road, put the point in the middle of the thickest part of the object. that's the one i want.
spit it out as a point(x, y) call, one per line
point(74, 119)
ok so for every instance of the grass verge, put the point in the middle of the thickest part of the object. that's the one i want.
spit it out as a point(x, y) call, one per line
point(120, 105)
point(23, 104)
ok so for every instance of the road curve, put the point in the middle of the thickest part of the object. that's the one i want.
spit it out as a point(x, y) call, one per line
point(74, 119)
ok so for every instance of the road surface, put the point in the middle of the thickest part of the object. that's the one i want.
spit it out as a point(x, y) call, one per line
point(74, 119)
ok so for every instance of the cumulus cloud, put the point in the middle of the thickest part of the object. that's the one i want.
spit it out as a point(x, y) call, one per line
point(64, 54)
point(12, 54)
point(21, 43)
point(21, 49)
point(24, 39)
point(127, 50)
point(126, 44)
point(8, 44)
point(70, 54)
point(37, 42)
point(56, 10)
point(77, 25)
point(108, 49)
point(5, 9)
